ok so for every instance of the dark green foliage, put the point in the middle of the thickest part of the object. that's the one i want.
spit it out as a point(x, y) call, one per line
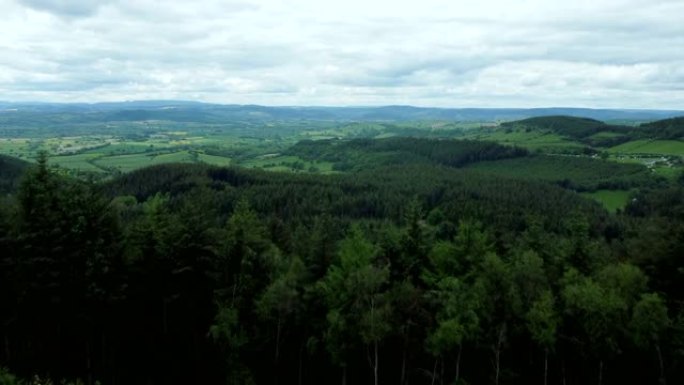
point(569, 126)
point(11, 170)
point(672, 128)
point(583, 128)
point(572, 172)
point(411, 272)
point(361, 154)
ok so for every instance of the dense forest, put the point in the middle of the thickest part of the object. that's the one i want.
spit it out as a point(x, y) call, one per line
point(573, 127)
point(367, 153)
point(421, 271)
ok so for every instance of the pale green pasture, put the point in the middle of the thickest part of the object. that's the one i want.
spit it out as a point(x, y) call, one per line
point(644, 146)
point(612, 200)
point(214, 160)
point(81, 162)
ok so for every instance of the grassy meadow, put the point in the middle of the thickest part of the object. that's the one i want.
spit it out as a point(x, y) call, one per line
point(612, 200)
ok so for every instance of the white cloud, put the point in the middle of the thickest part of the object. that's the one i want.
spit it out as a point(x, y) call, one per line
point(598, 53)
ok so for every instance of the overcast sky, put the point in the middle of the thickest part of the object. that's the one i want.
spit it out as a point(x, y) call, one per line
point(447, 53)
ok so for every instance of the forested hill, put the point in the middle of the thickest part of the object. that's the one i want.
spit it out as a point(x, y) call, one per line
point(581, 128)
point(373, 194)
point(572, 172)
point(663, 129)
point(361, 154)
point(574, 127)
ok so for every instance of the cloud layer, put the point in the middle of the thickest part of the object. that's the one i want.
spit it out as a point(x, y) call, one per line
point(451, 53)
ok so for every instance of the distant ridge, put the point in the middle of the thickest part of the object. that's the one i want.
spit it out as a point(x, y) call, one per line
point(181, 111)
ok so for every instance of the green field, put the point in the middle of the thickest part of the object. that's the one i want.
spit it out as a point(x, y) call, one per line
point(129, 146)
point(276, 162)
point(121, 148)
point(126, 163)
point(80, 162)
point(643, 146)
point(612, 200)
point(214, 160)
point(668, 172)
point(18, 147)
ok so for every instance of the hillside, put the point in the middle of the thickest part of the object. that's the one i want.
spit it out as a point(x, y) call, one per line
point(575, 173)
point(358, 154)
point(574, 127)
point(662, 129)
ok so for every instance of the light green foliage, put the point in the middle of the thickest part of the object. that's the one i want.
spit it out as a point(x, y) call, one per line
point(248, 254)
point(495, 286)
point(150, 235)
point(229, 334)
point(445, 259)
point(456, 317)
point(281, 301)
point(624, 280)
point(471, 242)
point(543, 320)
point(528, 279)
point(226, 330)
point(649, 320)
point(246, 233)
point(648, 326)
point(354, 290)
point(498, 300)
point(280, 298)
point(599, 310)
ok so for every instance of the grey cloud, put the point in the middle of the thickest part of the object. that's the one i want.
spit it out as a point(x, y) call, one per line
point(69, 8)
point(622, 52)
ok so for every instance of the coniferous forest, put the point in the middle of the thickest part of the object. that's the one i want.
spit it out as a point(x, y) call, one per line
point(420, 271)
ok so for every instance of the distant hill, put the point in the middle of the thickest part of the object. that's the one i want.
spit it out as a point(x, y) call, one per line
point(574, 127)
point(11, 170)
point(181, 111)
point(600, 134)
point(663, 129)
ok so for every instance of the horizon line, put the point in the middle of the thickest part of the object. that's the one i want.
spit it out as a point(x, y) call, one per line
point(38, 102)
